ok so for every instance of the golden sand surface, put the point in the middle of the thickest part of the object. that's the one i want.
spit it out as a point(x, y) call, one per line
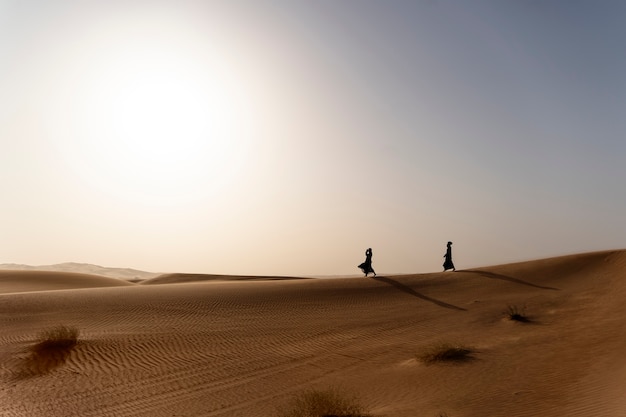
point(188, 346)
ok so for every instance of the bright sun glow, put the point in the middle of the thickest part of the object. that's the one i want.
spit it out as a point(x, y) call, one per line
point(159, 123)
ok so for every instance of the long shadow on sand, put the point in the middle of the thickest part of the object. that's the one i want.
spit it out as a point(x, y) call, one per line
point(414, 293)
point(493, 275)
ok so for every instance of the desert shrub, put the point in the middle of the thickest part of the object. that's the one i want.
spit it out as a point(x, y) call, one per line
point(57, 338)
point(444, 352)
point(515, 313)
point(323, 403)
point(50, 351)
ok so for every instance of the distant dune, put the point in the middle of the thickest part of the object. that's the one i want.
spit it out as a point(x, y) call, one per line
point(179, 278)
point(82, 268)
point(24, 281)
point(241, 347)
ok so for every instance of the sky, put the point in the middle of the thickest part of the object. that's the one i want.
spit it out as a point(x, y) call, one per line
point(287, 137)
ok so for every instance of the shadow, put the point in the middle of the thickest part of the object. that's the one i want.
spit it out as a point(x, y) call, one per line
point(414, 293)
point(493, 275)
point(446, 353)
point(527, 321)
point(41, 359)
point(518, 318)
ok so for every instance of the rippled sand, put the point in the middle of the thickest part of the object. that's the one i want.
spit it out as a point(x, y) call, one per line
point(194, 345)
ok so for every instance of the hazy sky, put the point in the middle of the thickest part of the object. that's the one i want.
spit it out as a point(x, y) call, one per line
point(271, 137)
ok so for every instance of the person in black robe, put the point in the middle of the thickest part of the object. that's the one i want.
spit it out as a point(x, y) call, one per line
point(366, 266)
point(448, 264)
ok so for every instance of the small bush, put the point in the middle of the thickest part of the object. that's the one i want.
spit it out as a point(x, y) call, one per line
point(50, 351)
point(323, 403)
point(445, 352)
point(57, 338)
point(515, 313)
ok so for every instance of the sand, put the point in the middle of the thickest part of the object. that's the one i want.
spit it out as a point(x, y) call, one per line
point(188, 346)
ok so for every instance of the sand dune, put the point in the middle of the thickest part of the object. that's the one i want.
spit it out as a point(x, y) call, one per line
point(83, 268)
point(180, 278)
point(23, 281)
point(244, 347)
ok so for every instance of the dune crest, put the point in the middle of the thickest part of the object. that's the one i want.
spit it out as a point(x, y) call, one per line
point(181, 278)
point(23, 281)
point(128, 274)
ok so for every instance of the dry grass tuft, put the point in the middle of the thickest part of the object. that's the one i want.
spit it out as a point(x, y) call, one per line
point(324, 403)
point(515, 313)
point(51, 350)
point(445, 352)
point(57, 338)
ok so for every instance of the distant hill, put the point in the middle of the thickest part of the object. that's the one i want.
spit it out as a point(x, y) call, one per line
point(179, 278)
point(81, 268)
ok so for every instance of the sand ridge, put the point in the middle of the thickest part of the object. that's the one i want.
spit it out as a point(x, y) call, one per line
point(25, 281)
point(180, 278)
point(244, 347)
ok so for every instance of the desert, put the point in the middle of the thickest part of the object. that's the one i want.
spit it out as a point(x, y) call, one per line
point(245, 347)
point(312, 208)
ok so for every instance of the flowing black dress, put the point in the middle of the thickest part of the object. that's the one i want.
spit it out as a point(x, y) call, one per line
point(366, 266)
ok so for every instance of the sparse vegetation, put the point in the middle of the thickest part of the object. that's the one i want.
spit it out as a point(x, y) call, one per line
point(324, 403)
point(515, 313)
point(445, 352)
point(51, 350)
point(57, 338)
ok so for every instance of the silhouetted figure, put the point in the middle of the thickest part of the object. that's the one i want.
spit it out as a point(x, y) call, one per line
point(366, 266)
point(447, 263)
